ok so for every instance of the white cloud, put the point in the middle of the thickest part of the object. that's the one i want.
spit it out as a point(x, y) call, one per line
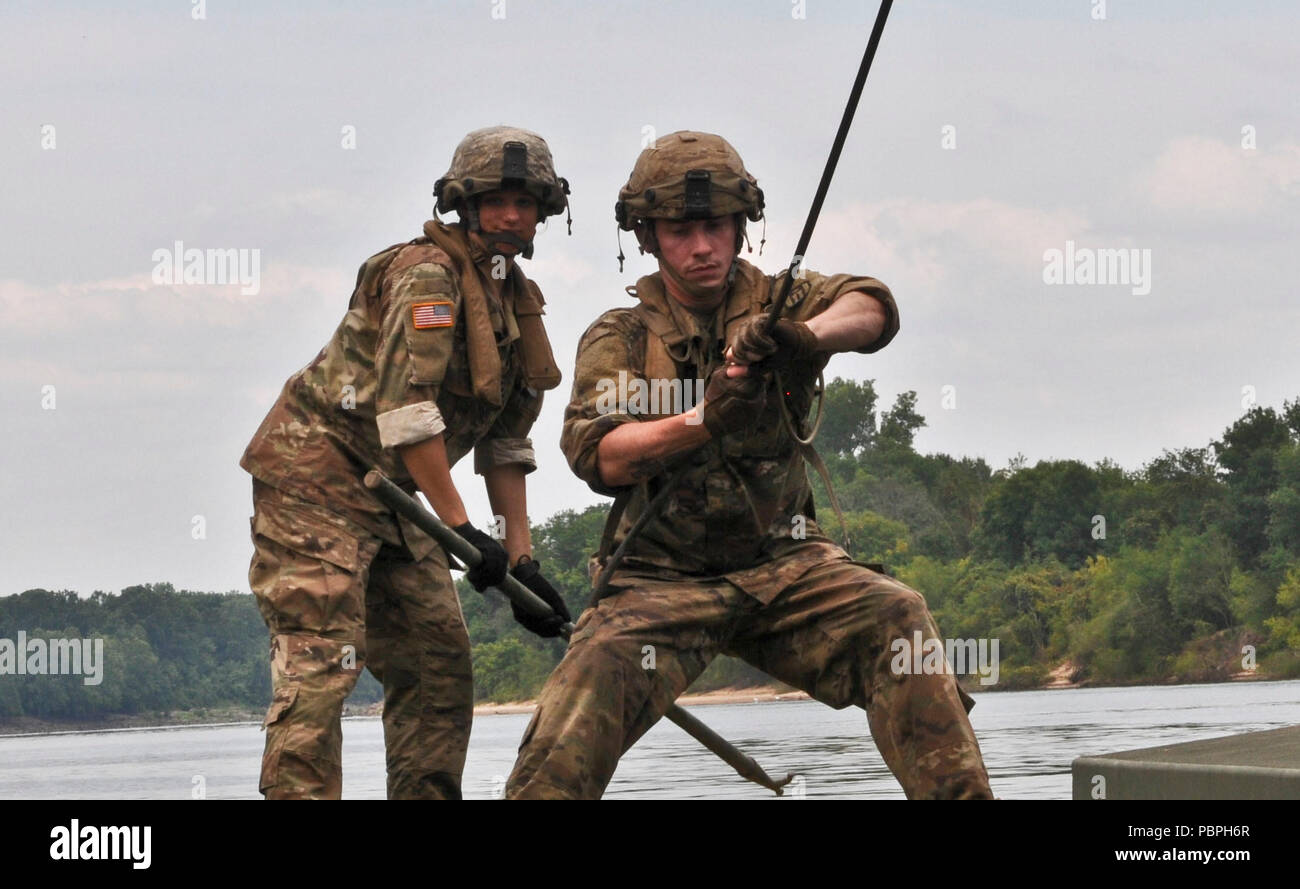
point(1207, 177)
point(553, 266)
point(334, 203)
point(121, 384)
point(28, 308)
point(929, 243)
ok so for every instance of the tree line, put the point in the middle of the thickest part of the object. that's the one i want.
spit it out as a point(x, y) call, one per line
point(1187, 569)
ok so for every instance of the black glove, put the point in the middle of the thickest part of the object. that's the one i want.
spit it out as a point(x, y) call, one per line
point(732, 402)
point(529, 573)
point(492, 570)
point(786, 343)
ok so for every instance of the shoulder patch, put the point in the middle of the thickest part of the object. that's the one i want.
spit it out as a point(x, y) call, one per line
point(799, 288)
point(432, 314)
point(798, 291)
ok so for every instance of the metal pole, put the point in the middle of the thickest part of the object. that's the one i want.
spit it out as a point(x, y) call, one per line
point(831, 161)
point(403, 503)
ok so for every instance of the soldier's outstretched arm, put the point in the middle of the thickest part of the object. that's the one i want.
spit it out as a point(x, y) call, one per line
point(427, 463)
point(633, 452)
point(852, 322)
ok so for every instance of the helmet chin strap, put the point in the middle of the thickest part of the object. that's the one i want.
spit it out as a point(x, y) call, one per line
point(470, 215)
point(525, 248)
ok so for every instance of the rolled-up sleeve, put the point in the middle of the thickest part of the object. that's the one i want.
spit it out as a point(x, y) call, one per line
point(594, 409)
point(507, 443)
point(419, 311)
point(823, 290)
point(410, 424)
point(504, 452)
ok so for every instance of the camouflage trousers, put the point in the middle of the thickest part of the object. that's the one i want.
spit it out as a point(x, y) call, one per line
point(337, 600)
point(828, 633)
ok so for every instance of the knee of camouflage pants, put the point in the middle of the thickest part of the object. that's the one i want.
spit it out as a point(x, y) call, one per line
point(831, 632)
point(918, 717)
point(428, 711)
point(311, 676)
point(623, 670)
point(584, 716)
point(419, 649)
point(308, 573)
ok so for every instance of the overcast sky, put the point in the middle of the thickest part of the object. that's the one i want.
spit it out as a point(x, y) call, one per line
point(129, 128)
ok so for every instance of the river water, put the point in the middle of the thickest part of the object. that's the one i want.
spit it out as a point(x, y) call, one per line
point(1029, 739)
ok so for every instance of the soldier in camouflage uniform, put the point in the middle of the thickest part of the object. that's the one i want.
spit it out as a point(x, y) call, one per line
point(735, 562)
point(442, 352)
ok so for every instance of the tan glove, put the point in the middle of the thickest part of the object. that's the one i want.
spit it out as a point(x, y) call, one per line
point(786, 343)
point(732, 402)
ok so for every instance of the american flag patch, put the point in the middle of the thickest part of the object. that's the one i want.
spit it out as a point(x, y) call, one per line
point(435, 314)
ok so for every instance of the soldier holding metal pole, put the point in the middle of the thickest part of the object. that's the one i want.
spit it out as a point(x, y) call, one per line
point(442, 352)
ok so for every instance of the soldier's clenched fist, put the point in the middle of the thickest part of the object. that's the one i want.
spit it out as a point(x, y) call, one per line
point(786, 343)
point(492, 570)
point(731, 402)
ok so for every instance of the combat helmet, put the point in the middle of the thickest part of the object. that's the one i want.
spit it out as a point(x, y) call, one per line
point(501, 157)
point(688, 175)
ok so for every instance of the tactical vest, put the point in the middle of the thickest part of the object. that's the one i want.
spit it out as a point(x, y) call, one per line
point(668, 351)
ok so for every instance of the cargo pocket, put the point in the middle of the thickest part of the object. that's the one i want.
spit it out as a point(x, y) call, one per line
point(277, 734)
point(309, 535)
point(308, 573)
point(280, 705)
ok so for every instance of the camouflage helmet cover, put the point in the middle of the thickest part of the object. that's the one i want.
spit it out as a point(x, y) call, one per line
point(487, 157)
point(688, 175)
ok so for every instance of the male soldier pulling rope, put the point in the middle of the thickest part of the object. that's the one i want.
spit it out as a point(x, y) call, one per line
point(734, 562)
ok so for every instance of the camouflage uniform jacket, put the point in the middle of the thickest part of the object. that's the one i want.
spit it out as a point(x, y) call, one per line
point(396, 372)
point(738, 505)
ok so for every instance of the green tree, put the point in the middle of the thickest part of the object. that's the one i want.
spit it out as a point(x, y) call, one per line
point(899, 424)
point(1200, 577)
point(1284, 627)
point(1248, 454)
point(849, 417)
point(509, 670)
point(1283, 530)
point(1046, 511)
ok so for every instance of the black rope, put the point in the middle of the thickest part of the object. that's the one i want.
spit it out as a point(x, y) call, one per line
point(822, 187)
point(653, 507)
point(651, 510)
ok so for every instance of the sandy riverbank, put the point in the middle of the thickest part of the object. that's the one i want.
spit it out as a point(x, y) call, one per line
point(757, 695)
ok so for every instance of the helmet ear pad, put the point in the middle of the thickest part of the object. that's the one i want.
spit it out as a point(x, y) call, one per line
point(644, 229)
point(467, 211)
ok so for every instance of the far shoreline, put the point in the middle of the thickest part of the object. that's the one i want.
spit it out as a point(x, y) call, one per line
point(212, 717)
